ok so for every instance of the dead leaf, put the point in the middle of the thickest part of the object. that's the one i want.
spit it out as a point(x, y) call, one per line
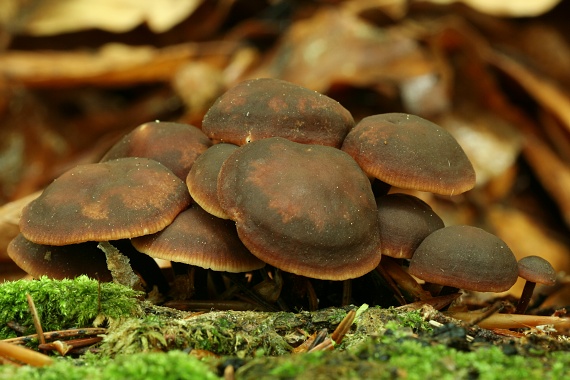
point(52, 17)
point(510, 8)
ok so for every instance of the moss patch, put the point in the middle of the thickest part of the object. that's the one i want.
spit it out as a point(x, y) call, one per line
point(165, 366)
point(63, 304)
point(147, 341)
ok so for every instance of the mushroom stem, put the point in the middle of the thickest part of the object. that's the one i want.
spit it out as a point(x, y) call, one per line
point(403, 279)
point(526, 295)
point(346, 292)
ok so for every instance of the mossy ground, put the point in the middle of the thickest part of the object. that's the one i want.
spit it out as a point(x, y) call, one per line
point(146, 341)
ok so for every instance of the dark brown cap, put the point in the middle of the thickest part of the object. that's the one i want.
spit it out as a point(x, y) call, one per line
point(198, 238)
point(111, 200)
point(306, 209)
point(411, 153)
point(202, 181)
point(405, 221)
point(175, 145)
point(67, 261)
point(260, 108)
point(537, 269)
point(465, 257)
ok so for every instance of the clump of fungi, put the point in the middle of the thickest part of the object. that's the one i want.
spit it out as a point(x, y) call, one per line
point(280, 188)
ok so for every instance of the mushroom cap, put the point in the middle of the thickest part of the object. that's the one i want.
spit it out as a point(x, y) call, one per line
point(411, 153)
point(202, 181)
point(306, 209)
point(405, 221)
point(198, 238)
point(465, 257)
point(537, 269)
point(260, 108)
point(67, 261)
point(174, 145)
point(111, 200)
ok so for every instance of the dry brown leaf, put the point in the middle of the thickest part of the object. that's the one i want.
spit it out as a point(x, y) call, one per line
point(545, 92)
point(114, 64)
point(553, 173)
point(336, 46)
point(510, 8)
point(52, 17)
point(9, 221)
point(491, 143)
point(526, 236)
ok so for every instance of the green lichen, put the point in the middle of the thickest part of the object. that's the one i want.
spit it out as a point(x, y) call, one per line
point(63, 304)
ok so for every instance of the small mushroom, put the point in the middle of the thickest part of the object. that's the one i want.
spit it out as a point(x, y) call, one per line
point(198, 238)
point(70, 261)
point(305, 209)
point(534, 269)
point(202, 181)
point(112, 200)
point(266, 107)
point(411, 153)
point(465, 257)
point(405, 221)
point(175, 145)
point(59, 262)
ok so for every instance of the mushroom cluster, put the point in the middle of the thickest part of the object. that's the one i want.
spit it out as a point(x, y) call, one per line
point(279, 177)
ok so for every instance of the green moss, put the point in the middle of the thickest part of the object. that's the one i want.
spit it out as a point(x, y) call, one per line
point(382, 343)
point(399, 354)
point(165, 366)
point(63, 304)
point(240, 334)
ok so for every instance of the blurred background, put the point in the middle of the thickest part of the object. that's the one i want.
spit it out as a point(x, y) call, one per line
point(76, 75)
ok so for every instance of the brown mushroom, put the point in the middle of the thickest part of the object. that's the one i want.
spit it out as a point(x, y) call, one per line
point(306, 209)
point(70, 261)
point(465, 257)
point(202, 181)
point(260, 108)
point(59, 262)
point(405, 221)
point(534, 269)
point(175, 145)
point(113, 200)
point(411, 153)
point(198, 238)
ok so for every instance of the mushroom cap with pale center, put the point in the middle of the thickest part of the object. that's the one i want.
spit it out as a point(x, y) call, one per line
point(266, 107)
point(306, 209)
point(410, 152)
point(111, 200)
point(465, 257)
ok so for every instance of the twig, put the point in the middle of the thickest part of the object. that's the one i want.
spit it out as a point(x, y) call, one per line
point(36, 319)
point(52, 335)
point(343, 327)
point(24, 355)
point(510, 321)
